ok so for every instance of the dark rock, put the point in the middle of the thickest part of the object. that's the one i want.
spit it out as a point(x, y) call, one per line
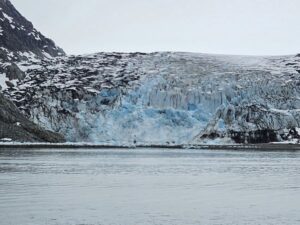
point(19, 34)
point(15, 126)
point(9, 84)
point(291, 64)
point(13, 72)
point(210, 136)
point(254, 137)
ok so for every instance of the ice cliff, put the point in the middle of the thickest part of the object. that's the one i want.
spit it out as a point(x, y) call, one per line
point(162, 98)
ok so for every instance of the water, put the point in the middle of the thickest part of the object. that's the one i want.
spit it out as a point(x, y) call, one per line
point(168, 187)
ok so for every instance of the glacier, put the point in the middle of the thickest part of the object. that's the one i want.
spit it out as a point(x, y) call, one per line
point(162, 97)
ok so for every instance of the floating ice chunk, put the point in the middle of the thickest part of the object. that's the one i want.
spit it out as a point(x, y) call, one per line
point(5, 140)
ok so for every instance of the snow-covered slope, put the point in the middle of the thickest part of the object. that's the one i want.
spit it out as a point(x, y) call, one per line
point(19, 41)
point(162, 97)
point(18, 37)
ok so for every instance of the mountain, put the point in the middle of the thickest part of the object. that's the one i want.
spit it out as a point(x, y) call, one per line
point(162, 98)
point(20, 41)
point(154, 98)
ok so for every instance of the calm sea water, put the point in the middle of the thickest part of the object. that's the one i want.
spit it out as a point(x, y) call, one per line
point(167, 187)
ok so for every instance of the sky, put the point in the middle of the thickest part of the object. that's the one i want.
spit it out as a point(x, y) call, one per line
point(239, 27)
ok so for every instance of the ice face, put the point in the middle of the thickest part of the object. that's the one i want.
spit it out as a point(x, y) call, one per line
point(161, 97)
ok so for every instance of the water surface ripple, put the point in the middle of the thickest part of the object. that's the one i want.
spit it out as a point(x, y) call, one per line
point(143, 187)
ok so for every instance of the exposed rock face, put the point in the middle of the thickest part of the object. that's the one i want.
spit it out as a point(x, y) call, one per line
point(13, 72)
point(20, 41)
point(18, 36)
point(163, 97)
point(15, 126)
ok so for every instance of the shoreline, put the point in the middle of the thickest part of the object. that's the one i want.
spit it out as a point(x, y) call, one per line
point(249, 147)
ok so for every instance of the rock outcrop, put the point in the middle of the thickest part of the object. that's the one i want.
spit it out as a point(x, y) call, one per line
point(20, 41)
point(19, 38)
point(14, 126)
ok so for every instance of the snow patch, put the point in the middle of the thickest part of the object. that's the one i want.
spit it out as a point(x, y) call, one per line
point(3, 80)
point(10, 19)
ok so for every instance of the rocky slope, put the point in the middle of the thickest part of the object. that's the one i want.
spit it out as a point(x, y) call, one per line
point(19, 41)
point(162, 98)
point(18, 37)
point(14, 126)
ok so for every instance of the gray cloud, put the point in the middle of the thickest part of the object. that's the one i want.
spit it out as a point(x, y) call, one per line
point(268, 27)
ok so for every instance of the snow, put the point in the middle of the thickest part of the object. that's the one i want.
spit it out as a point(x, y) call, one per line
point(292, 141)
point(3, 80)
point(5, 140)
point(160, 98)
point(10, 19)
point(28, 67)
point(35, 35)
point(33, 59)
point(47, 55)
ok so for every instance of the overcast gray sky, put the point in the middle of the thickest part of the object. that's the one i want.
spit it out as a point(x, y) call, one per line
point(248, 27)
